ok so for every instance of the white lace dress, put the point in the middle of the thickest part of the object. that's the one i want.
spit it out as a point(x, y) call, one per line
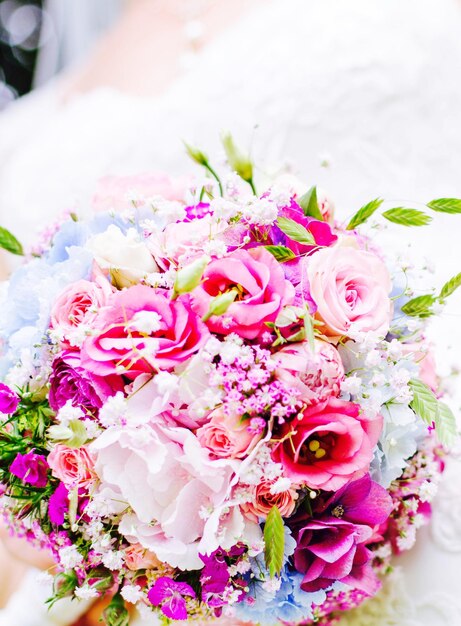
point(364, 96)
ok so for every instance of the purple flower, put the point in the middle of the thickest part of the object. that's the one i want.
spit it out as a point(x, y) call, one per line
point(31, 468)
point(332, 546)
point(9, 400)
point(58, 505)
point(70, 381)
point(170, 596)
point(214, 579)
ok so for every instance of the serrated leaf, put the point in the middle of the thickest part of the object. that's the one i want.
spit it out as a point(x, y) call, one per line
point(364, 213)
point(281, 253)
point(407, 217)
point(309, 204)
point(445, 425)
point(424, 403)
point(445, 205)
point(419, 306)
point(451, 286)
point(9, 242)
point(295, 231)
point(274, 540)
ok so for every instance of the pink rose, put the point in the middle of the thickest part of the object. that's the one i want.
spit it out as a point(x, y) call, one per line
point(143, 331)
point(137, 557)
point(73, 466)
point(317, 374)
point(329, 446)
point(116, 193)
point(77, 307)
point(266, 496)
point(227, 436)
point(351, 290)
point(262, 291)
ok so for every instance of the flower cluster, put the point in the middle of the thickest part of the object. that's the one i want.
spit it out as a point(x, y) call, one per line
point(216, 407)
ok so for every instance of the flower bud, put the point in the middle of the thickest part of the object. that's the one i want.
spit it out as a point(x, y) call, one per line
point(196, 155)
point(220, 304)
point(238, 161)
point(116, 613)
point(189, 277)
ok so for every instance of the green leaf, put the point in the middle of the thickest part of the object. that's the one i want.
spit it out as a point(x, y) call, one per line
point(116, 613)
point(424, 403)
point(281, 253)
point(295, 231)
point(274, 540)
point(420, 306)
point(9, 242)
point(364, 213)
point(407, 217)
point(445, 205)
point(451, 286)
point(309, 204)
point(220, 304)
point(445, 425)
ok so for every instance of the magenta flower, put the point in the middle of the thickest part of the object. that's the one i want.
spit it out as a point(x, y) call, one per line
point(214, 579)
point(9, 400)
point(31, 468)
point(58, 505)
point(170, 596)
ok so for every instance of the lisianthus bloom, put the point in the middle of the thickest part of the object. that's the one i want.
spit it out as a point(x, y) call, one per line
point(261, 292)
point(351, 289)
point(142, 331)
point(9, 400)
point(332, 547)
point(73, 466)
point(316, 372)
point(170, 596)
point(228, 436)
point(76, 308)
point(70, 381)
point(329, 446)
point(31, 468)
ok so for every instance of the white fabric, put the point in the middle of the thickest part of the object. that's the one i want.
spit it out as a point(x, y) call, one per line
point(370, 86)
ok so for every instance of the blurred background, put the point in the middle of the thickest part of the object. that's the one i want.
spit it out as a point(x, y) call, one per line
point(40, 37)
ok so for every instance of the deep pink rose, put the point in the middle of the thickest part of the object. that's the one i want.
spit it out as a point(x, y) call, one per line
point(227, 436)
point(72, 466)
point(317, 373)
point(262, 291)
point(330, 446)
point(351, 290)
point(143, 331)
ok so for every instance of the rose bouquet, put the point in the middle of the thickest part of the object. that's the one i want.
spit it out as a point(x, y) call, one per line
point(219, 402)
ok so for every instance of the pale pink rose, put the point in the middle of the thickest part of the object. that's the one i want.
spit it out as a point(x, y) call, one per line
point(317, 373)
point(73, 466)
point(330, 446)
point(77, 307)
point(262, 291)
point(137, 557)
point(116, 193)
point(227, 436)
point(351, 290)
point(264, 499)
point(142, 331)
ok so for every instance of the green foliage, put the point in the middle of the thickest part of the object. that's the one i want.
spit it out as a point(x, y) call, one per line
point(407, 217)
point(190, 277)
point(446, 426)
point(432, 411)
point(238, 161)
point(364, 213)
point(64, 585)
point(281, 253)
point(220, 304)
point(9, 242)
point(421, 306)
point(445, 205)
point(450, 287)
point(116, 613)
point(295, 231)
point(274, 540)
point(309, 204)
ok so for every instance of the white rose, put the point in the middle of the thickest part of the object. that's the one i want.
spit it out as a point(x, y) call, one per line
point(126, 256)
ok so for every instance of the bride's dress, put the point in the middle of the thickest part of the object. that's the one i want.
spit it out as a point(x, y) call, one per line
point(363, 95)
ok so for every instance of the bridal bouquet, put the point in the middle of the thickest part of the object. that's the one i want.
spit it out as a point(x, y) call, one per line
point(220, 402)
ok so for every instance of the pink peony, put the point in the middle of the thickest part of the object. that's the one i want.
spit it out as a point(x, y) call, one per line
point(116, 193)
point(317, 373)
point(76, 308)
point(227, 436)
point(72, 466)
point(351, 290)
point(266, 496)
point(261, 287)
point(143, 331)
point(330, 446)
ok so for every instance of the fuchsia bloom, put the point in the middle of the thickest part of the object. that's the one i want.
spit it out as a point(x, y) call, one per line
point(58, 505)
point(170, 596)
point(332, 546)
point(9, 400)
point(142, 331)
point(330, 446)
point(31, 468)
point(261, 287)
